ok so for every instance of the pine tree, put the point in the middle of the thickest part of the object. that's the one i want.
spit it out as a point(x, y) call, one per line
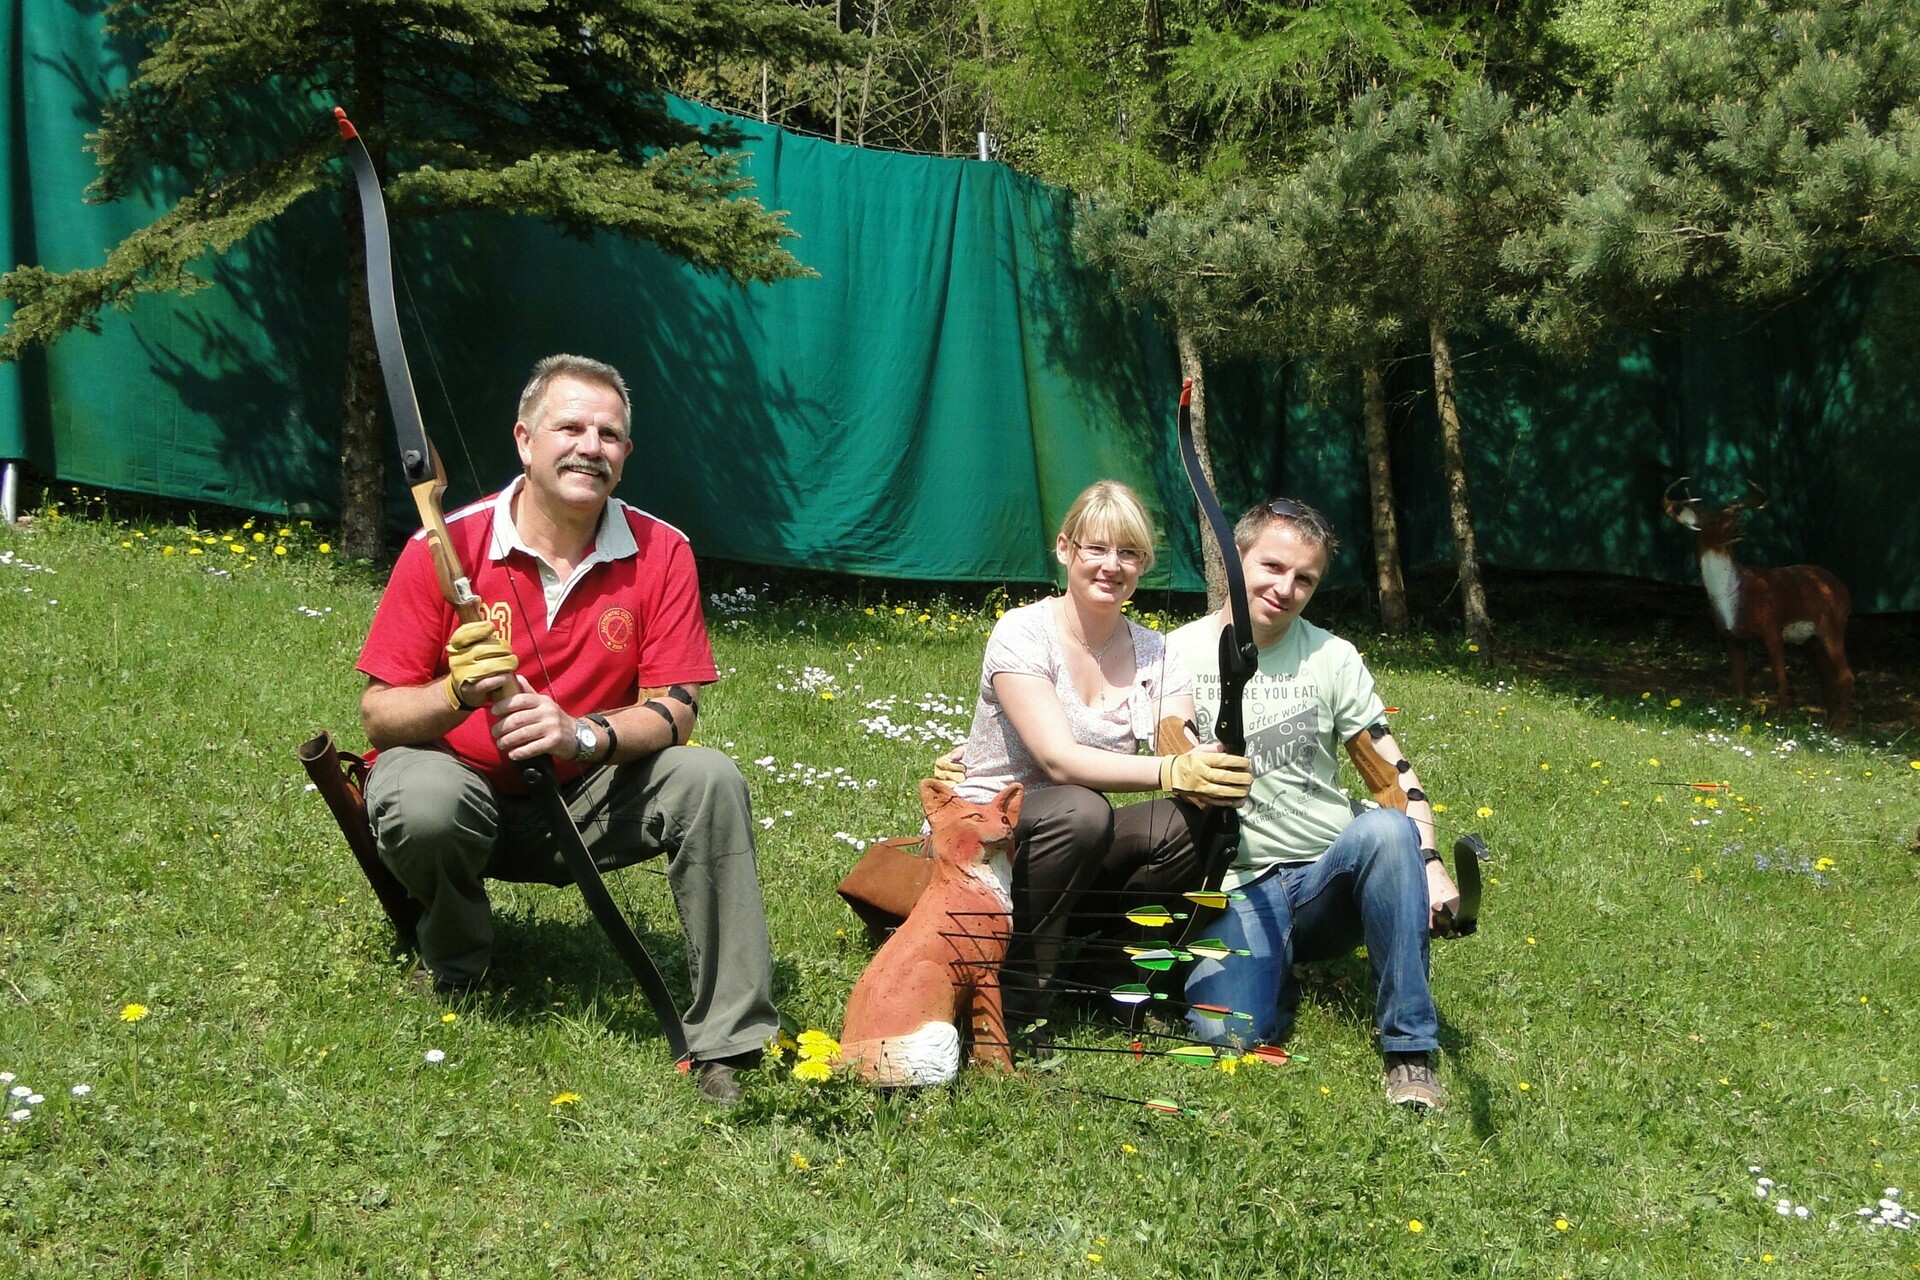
point(549, 108)
point(1758, 149)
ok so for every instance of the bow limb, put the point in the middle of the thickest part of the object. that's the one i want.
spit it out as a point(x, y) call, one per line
point(1239, 658)
point(427, 481)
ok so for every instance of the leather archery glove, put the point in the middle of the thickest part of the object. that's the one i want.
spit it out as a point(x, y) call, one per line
point(949, 768)
point(1207, 777)
point(474, 653)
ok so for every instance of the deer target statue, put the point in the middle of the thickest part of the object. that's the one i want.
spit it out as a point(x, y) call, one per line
point(1789, 605)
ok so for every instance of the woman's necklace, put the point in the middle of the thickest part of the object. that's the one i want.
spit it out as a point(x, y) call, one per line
point(1099, 654)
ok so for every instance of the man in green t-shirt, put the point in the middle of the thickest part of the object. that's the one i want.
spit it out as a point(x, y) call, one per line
point(1315, 880)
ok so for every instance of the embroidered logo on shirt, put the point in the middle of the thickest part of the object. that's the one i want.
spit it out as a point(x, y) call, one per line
point(616, 629)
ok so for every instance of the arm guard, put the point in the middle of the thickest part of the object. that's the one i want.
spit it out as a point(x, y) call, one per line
point(1381, 777)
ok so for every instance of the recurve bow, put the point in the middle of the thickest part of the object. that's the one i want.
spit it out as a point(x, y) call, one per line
point(1219, 837)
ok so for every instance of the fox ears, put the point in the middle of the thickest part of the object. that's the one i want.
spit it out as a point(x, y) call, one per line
point(936, 795)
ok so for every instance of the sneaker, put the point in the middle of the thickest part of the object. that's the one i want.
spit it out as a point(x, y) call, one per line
point(1411, 1082)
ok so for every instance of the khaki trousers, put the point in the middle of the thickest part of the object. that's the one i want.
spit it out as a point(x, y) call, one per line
point(445, 832)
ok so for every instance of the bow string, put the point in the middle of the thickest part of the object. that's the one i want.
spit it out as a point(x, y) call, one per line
point(427, 481)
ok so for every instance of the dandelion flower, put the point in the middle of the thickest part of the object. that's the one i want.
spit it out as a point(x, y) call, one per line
point(1483, 812)
point(799, 1162)
point(449, 1016)
point(1228, 1065)
point(818, 1046)
point(1525, 1087)
point(1673, 702)
point(1129, 1149)
point(813, 1071)
point(325, 548)
point(436, 1055)
point(1561, 1224)
point(1416, 1226)
point(133, 1013)
point(565, 1099)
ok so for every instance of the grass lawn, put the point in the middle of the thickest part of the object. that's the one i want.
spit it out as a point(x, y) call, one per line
point(1682, 1044)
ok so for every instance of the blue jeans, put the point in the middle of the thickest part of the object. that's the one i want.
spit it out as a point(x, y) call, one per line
point(1369, 886)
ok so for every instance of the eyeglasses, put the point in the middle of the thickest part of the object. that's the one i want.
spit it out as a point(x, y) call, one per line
point(1294, 511)
point(1095, 552)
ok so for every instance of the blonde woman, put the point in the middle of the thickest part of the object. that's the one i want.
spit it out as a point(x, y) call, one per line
point(1070, 689)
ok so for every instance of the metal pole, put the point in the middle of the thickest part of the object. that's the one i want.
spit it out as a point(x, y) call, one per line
point(10, 493)
point(986, 144)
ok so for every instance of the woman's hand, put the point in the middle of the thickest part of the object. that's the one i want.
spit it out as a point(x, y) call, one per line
point(1207, 777)
point(951, 768)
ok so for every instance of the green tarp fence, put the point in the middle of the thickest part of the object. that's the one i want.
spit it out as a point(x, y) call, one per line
point(929, 405)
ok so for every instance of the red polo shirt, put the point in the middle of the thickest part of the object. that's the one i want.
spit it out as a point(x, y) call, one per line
point(629, 619)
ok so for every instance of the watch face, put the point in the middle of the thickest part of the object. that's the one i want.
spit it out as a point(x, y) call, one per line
point(583, 735)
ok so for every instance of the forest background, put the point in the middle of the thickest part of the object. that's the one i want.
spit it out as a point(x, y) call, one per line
point(1552, 255)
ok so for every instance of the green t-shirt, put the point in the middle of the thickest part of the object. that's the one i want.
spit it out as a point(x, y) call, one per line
point(1311, 694)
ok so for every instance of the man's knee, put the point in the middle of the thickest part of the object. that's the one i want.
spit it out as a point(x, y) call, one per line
point(1387, 837)
point(425, 806)
point(701, 803)
point(701, 775)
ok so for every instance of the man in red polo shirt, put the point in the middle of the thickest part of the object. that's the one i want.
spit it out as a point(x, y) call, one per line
point(593, 617)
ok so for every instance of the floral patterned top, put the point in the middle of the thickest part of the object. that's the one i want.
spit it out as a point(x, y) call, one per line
point(1027, 641)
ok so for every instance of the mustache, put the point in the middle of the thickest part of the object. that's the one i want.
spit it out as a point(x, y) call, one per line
point(599, 467)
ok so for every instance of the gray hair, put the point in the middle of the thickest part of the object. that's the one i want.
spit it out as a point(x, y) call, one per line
point(586, 369)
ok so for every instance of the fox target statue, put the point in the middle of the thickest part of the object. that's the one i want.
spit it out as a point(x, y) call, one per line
point(943, 964)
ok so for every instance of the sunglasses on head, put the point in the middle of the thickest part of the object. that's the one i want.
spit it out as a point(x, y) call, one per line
point(1294, 511)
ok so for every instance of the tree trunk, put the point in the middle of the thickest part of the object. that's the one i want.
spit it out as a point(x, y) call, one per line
point(1210, 551)
point(363, 443)
point(1473, 596)
point(1386, 526)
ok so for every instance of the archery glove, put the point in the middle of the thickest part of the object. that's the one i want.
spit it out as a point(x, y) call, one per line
point(474, 653)
point(1207, 777)
point(950, 768)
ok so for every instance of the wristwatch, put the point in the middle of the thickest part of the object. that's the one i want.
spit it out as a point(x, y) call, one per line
point(585, 739)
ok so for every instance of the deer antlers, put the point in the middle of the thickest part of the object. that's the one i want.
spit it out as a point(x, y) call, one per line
point(1756, 499)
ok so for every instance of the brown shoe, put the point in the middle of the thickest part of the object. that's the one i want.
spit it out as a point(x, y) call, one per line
point(1411, 1082)
point(422, 983)
point(717, 1078)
